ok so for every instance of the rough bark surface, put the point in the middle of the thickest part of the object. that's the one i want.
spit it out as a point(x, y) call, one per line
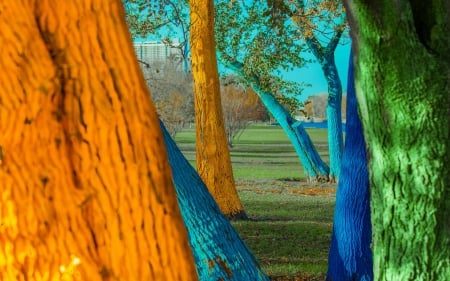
point(220, 254)
point(402, 83)
point(213, 157)
point(350, 257)
point(86, 192)
point(334, 116)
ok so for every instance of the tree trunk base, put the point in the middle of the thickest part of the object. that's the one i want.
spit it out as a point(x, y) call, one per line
point(321, 179)
point(238, 216)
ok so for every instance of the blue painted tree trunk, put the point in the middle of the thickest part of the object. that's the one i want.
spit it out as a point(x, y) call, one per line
point(325, 57)
point(219, 252)
point(334, 117)
point(314, 167)
point(350, 257)
point(186, 55)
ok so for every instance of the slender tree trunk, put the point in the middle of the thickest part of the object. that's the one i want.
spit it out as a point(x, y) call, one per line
point(325, 57)
point(213, 157)
point(219, 252)
point(334, 115)
point(86, 192)
point(350, 257)
point(402, 83)
point(315, 169)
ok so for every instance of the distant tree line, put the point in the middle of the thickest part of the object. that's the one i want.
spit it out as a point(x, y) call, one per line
point(172, 93)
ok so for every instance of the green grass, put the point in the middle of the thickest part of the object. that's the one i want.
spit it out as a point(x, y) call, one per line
point(261, 152)
point(258, 134)
point(288, 232)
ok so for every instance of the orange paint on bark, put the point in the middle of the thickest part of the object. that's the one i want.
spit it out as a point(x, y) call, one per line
point(213, 157)
point(86, 190)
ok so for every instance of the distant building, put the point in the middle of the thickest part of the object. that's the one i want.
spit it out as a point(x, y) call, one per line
point(153, 51)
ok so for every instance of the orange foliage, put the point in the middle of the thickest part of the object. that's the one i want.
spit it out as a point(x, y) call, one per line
point(86, 190)
point(240, 107)
point(311, 16)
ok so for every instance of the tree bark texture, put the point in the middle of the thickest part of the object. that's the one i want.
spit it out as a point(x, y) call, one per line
point(86, 190)
point(334, 116)
point(213, 157)
point(220, 254)
point(350, 257)
point(402, 82)
point(325, 56)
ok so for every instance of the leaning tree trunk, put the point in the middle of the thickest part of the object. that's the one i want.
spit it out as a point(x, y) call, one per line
point(315, 169)
point(402, 82)
point(213, 157)
point(86, 192)
point(219, 252)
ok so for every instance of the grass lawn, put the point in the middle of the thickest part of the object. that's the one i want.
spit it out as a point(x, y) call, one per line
point(290, 221)
point(289, 226)
point(261, 152)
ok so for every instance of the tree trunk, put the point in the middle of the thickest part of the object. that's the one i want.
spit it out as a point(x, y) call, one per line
point(350, 257)
point(325, 57)
point(334, 116)
point(315, 169)
point(213, 157)
point(402, 83)
point(86, 192)
point(214, 242)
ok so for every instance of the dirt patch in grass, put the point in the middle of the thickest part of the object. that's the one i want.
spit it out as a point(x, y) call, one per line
point(298, 278)
point(287, 187)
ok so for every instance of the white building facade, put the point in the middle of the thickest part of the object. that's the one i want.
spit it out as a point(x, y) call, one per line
point(153, 51)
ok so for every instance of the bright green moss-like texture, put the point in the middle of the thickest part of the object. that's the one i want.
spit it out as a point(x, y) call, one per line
point(402, 85)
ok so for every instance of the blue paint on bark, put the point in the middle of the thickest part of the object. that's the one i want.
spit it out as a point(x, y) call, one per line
point(334, 117)
point(314, 167)
point(350, 256)
point(325, 57)
point(219, 252)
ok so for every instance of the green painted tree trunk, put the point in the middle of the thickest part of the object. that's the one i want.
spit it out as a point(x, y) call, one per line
point(402, 82)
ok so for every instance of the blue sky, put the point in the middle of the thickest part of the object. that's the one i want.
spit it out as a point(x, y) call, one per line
point(312, 73)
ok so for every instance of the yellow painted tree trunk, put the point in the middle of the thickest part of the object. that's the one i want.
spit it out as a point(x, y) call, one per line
point(85, 186)
point(213, 157)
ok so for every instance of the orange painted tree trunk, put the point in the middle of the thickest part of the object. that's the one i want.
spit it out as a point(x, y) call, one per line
point(86, 190)
point(213, 157)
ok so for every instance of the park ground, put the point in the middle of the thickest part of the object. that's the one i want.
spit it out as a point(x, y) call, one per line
point(290, 220)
